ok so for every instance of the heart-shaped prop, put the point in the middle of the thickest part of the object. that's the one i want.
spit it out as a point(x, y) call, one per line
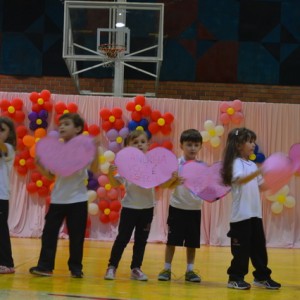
point(146, 170)
point(294, 155)
point(277, 171)
point(204, 181)
point(65, 159)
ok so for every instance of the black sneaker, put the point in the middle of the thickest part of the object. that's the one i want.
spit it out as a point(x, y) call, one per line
point(76, 274)
point(40, 272)
point(268, 284)
point(239, 285)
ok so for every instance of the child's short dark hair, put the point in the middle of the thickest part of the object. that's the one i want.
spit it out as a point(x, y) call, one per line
point(75, 118)
point(191, 135)
point(133, 135)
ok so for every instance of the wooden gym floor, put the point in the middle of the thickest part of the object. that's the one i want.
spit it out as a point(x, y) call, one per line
point(211, 262)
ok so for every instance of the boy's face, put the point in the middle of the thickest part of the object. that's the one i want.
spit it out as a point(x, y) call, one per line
point(140, 142)
point(190, 149)
point(67, 129)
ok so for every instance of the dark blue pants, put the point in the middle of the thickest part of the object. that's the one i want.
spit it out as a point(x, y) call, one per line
point(76, 219)
point(5, 244)
point(132, 219)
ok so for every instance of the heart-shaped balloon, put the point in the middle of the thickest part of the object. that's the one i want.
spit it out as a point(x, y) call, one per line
point(65, 159)
point(277, 171)
point(204, 181)
point(146, 169)
point(294, 155)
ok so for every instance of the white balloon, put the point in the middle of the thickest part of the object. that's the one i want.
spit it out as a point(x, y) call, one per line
point(219, 130)
point(205, 136)
point(93, 209)
point(289, 202)
point(215, 141)
point(104, 167)
point(209, 124)
point(92, 195)
point(276, 207)
point(109, 155)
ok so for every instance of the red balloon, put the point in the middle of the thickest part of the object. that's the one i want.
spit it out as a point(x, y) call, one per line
point(4, 104)
point(94, 129)
point(168, 117)
point(60, 107)
point(113, 216)
point(153, 127)
point(106, 126)
point(22, 170)
point(103, 204)
point(35, 176)
point(104, 218)
point(146, 110)
point(105, 113)
point(166, 129)
point(17, 103)
point(117, 112)
point(115, 205)
point(119, 124)
point(34, 96)
point(43, 191)
point(45, 94)
point(21, 131)
point(155, 115)
point(19, 116)
point(136, 116)
point(72, 107)
point(48, 106)
point(25, 154)
point(30, 163)
point(153, 145)
point(168, 145)
point(130, 106)
point(140, 100)
point(31, 187)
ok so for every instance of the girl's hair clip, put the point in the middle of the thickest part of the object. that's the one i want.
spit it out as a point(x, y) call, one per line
point(236, 132)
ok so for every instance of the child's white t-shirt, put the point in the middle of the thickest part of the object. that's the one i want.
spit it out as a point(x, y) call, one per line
point(70, 189)
point(246, 201)
point(6, 163)
point(182, 198)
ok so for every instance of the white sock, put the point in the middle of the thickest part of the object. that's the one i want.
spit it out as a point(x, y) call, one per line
point(167, 266)
point(189, 267)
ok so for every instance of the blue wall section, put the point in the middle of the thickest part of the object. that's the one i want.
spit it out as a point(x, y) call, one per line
point(233, 41)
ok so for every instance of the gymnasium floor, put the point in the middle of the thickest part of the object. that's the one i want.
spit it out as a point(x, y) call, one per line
point(211, 262)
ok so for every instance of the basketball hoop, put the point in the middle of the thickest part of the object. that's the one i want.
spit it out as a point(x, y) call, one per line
point(111, 52)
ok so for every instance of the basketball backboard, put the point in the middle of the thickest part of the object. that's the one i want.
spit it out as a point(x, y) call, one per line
point(118, 35)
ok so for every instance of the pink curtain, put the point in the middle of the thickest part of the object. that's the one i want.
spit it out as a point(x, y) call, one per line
point(277, 127)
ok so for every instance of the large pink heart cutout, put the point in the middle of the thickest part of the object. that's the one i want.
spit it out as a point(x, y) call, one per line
point(204, 181)
point(146, 169)
point(65, 159)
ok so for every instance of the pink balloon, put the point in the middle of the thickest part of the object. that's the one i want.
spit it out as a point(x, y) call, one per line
point(101, 192)
point(103, 180)
point(224, 106)
point(124, 132)
point(237, 117)
point(225, 119)
point(204, 181)
point(112, 194)
point(277, 171)
point(237, 104)
point(294, 155)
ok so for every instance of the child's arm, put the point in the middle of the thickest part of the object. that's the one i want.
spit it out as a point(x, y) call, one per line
point(246, 179)
point(111, 176)
point(174, 181)
point(42, 170)
point(94, 166)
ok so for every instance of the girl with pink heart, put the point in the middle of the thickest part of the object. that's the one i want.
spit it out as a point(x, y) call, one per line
point(69, 201)
point(136, 215)
point(8, 142)
point(246, 227)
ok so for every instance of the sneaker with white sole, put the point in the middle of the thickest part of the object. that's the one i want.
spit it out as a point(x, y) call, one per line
point(7, 270)
point(268, 284)
point(110, 273)
point(191, 276)
point(164, 275)
point(137, 274)
point(239, 285)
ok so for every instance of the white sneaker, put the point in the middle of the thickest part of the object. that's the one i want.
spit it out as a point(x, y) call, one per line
point(110, 273)
point(137, 274)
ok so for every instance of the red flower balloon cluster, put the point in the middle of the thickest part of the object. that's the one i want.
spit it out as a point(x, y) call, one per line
point(111, 119)
point(39, 184)
point(13, 109)
point(24, 162)
point(109, 211)
point(138, 108)
point(160, 123)
point(231, 111)
point(41, 101)
point(62, 108)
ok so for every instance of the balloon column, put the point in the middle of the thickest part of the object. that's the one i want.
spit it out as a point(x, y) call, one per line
point(111, 119)
point(138, 108)
point(160, 123)
point(39, 184)
point(231, 111)
point(41, 101)
point(116, 138)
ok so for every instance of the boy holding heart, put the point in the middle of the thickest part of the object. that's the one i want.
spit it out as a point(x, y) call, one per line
point(184, 213)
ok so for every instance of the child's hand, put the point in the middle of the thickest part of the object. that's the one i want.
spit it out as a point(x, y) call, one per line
point(112, 169)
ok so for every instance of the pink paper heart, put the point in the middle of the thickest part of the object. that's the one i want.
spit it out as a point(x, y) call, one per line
point(204, 181)
point(65, 159)
point(294, 155)
point(277, 171)
point(146, 170)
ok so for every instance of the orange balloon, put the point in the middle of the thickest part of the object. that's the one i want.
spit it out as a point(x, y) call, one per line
point(40, 132)
point(28, 141)
point(32, 151)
